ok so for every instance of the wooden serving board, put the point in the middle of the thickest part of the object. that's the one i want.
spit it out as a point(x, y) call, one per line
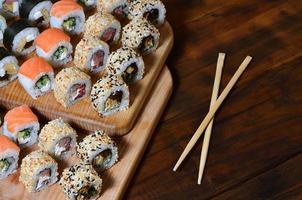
point(131, 149)
point(82, 114)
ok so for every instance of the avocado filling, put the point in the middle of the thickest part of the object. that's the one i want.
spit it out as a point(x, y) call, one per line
point(44, 178)
point(43, 83)
point(113, 101)
point(69, 25)
point(77, 91)
point(63, 146)
point(24, 135)
point(5, 163)
point(108, 35)
point(103, 159)
point(119, 12)
point(97, 60)
point(130, 73)
point(86, 193)
point(10, 6)
point(152, 16)
point(147, 44)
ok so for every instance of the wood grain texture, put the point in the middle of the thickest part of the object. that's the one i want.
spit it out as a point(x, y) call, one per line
point(131, 149)
point(256, 144)
point(82, 114)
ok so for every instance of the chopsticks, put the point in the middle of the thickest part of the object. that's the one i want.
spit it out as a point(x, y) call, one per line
point(207, 135)
point(212, 111)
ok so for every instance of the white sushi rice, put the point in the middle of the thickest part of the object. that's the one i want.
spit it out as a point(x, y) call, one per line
point(3, 26)
point(29, 34)
point(36, 12)
point(3, 62)
point(14, 165)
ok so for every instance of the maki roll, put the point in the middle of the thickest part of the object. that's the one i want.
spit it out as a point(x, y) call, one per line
point(152, 10)
point(91, 54)
point(38, 171)
point(9, 156)
point(104, 26)
point(140, 35)
point(71, 86)
point(19, 37)
point(8, 67)
point(58, 139)
point(36, 76)
point(81, 182)
point(54, 45)
point(68, 16)
point(21, 125)
point(118, 8)
point(9, 8)
point(36, 11)
point(3, 26)
point(126, 63)
point(99, 150)
point(110, 95)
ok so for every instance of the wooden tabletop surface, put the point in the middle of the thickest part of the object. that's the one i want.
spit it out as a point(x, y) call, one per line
point(256, 145)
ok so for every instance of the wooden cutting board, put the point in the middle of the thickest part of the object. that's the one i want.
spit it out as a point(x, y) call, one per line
point(131, 149)
point(82, 114)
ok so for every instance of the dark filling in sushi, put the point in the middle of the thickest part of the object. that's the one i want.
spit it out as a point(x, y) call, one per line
point(86, 192)
point(77, 91)
point(103, 159)
point(44, 19)
point(120, 12)
point(147, 44)
point(28, 44)
point(5, 77)
point(10, 70)
point(24, 135)
point(60, 53)
point(130, 73)
point(108, 35)
point(113, 101)
point(5, 164)
point(97, 60)
point(63, 146)
point(152, 15)
point(69, 25)
point(44, 178)
point(9, 6)
point(43, 83)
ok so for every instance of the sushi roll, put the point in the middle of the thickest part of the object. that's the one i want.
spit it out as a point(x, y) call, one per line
point(110, 95)
point(54, 45)
point(104, 26)
point(19, 37)
point(118, 8)
point(91, 54)
point(81, 182)
point(9, 156)
point(37, 12)
point(152, 10)
point(9, 8)
point(140, 35)
point(126, 63)
point(58, 139)
point(36, 76)
point(71, 85)
point(21, 125)
point(3, 26)
point(99, 150)
point(38, 171)
point(68, 16)
point(8, 67)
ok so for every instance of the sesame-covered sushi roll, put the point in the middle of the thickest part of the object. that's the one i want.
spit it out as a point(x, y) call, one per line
point(68, 16)
point(21, 125)
point(104, 26)
point(3, 26)
point(153, 10)
point(140, 35)
point(91, 54)
point(118, 8)
point(19, 37)
point(9, 8)
point(9, 156)
point(81, 182)
point(58, 139)
point(54, 45)
point(126, 63)
point(110, 95)
point(71, 85)
point(37, 12)
point(36, 76)
point(38, 171)
point(99, 150)
point(8, 67)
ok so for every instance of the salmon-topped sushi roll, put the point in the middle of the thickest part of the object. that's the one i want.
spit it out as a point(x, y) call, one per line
point(36, 76)
point(21, 125)
point(68, 16)
point(9, 156)
point(54, 45)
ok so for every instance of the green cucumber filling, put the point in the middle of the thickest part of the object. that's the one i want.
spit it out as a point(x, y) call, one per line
point(60, 53)
point(43, 82)
point(130, 73)
point(113, 101)
point(147, 44)
point(103, 159)
point(86, 192)
point(152, 16)
point(69, 24)
point(5, 164)
point(24, 135)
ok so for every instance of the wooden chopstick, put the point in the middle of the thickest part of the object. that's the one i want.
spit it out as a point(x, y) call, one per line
point(212, 111)
point(207, 135)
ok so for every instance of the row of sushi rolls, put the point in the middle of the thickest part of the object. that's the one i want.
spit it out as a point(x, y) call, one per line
point(41, 31)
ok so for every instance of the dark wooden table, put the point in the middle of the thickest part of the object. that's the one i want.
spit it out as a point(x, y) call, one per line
point(256, 145)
